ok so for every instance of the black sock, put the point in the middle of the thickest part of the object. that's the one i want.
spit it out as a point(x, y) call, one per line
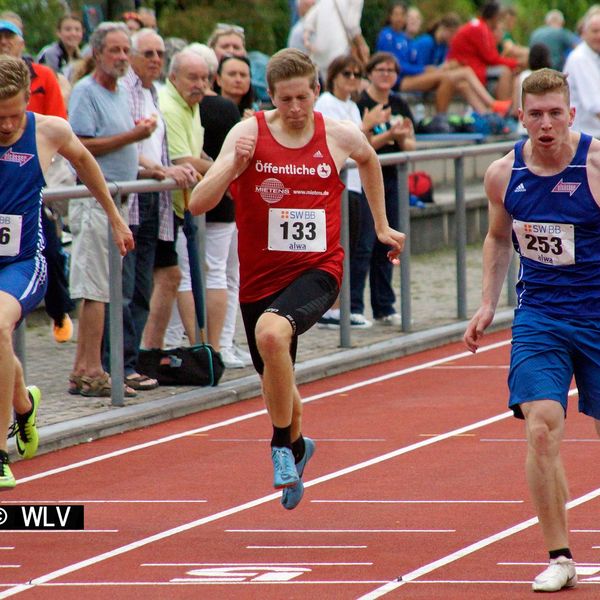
point(282, 436)
point(560, 552)
point(298, 449)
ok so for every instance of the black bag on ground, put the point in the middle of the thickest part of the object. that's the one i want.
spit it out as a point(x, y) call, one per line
point(193, 365)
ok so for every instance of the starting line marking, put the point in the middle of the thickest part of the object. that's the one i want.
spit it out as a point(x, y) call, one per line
point(418, 501)
point(304, 547)
point(340, 530)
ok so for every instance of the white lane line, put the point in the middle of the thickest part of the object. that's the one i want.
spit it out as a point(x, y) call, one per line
point(80, 501)
point(418, 501)
point(471, 367)
point(261, 564)
point(55, 531)
point(340, 530)
point(258, 413)
point(585, 530)
point(191, 582)
point(263, 440)
point(565, 441)
point(454, 556)
point(305, 547)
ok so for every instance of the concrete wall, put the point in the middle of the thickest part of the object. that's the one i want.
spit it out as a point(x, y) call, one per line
point(434, 227)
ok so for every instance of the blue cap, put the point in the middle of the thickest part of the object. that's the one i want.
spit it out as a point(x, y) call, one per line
point(8, 26)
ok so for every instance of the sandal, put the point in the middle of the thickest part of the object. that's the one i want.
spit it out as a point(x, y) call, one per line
point(100, 387)
point(75, 384)
point(141, 382)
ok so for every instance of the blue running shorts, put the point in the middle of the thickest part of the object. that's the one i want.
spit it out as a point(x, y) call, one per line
point(546, 353)
point(26, 281)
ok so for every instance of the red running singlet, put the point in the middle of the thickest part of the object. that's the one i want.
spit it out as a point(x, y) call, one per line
point(288, 213)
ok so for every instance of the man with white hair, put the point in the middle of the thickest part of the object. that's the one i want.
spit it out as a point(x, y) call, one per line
point(179, 100)
point(583, 68)
point(560, 41)
point(154, 261)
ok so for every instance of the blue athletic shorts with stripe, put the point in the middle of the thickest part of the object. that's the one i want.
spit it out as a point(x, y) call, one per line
point(26, 281)
point(546, 353)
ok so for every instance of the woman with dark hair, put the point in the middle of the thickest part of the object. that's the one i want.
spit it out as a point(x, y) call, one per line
point(343, 81)
point(233, 82)
point(394, 135)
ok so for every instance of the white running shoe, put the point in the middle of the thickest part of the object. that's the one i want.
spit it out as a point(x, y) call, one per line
point(558, 575)
point(391, 320)
point(230, 360)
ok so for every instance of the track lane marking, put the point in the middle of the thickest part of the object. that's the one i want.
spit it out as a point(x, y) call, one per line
point(470, 549)
point(43, 579)
point(257, 413)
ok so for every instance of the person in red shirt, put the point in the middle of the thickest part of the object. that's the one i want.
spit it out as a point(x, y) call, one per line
point(283, 166)
point(474, 45)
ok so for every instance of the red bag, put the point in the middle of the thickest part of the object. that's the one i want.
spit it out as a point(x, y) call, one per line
point(421, 186)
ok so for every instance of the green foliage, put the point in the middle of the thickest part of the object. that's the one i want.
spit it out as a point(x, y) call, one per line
point(266, 24)
point(39, 20)
point(531, 14)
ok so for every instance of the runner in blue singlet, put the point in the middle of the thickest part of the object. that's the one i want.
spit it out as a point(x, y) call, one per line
point(544, 201)
point(28, 142)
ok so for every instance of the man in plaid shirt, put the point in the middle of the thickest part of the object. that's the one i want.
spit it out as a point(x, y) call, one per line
point(150, 213)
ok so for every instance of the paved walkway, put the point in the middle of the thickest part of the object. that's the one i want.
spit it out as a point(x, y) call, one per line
point(66, 419)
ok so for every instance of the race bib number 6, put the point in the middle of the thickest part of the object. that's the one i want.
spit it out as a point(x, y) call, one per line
point(10, 234)
point(547, 243)
point(297, 230)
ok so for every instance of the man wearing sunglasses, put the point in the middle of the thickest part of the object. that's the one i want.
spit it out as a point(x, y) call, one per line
point(282, 168)
point(154, 261)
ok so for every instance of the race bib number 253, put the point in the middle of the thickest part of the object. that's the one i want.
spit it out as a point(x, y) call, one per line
point(547, 243)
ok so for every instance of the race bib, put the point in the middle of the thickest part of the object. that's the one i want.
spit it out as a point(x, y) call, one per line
point(10, 234)
point(547, 243)
point(297, 230)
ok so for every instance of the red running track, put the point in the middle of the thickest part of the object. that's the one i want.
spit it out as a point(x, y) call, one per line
point(416, 490)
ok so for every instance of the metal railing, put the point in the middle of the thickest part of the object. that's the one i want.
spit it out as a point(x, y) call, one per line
point(401, 160)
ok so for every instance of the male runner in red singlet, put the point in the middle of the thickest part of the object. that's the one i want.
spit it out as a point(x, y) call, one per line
point(283, 166)
point(28, 142)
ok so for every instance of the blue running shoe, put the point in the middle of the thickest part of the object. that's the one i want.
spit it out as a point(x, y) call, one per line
point(292, 495)
point(284, 469)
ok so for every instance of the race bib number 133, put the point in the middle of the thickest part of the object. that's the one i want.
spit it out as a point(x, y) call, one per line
point(547, 243)
point(297, 230)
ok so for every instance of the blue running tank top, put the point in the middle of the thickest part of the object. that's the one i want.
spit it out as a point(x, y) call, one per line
point(22, 181)
point(556, 232)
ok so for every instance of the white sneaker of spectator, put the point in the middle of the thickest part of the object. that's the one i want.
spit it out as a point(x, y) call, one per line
point(230, 360)
point(244, 356)
point(559, 574)
point(391, 320)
